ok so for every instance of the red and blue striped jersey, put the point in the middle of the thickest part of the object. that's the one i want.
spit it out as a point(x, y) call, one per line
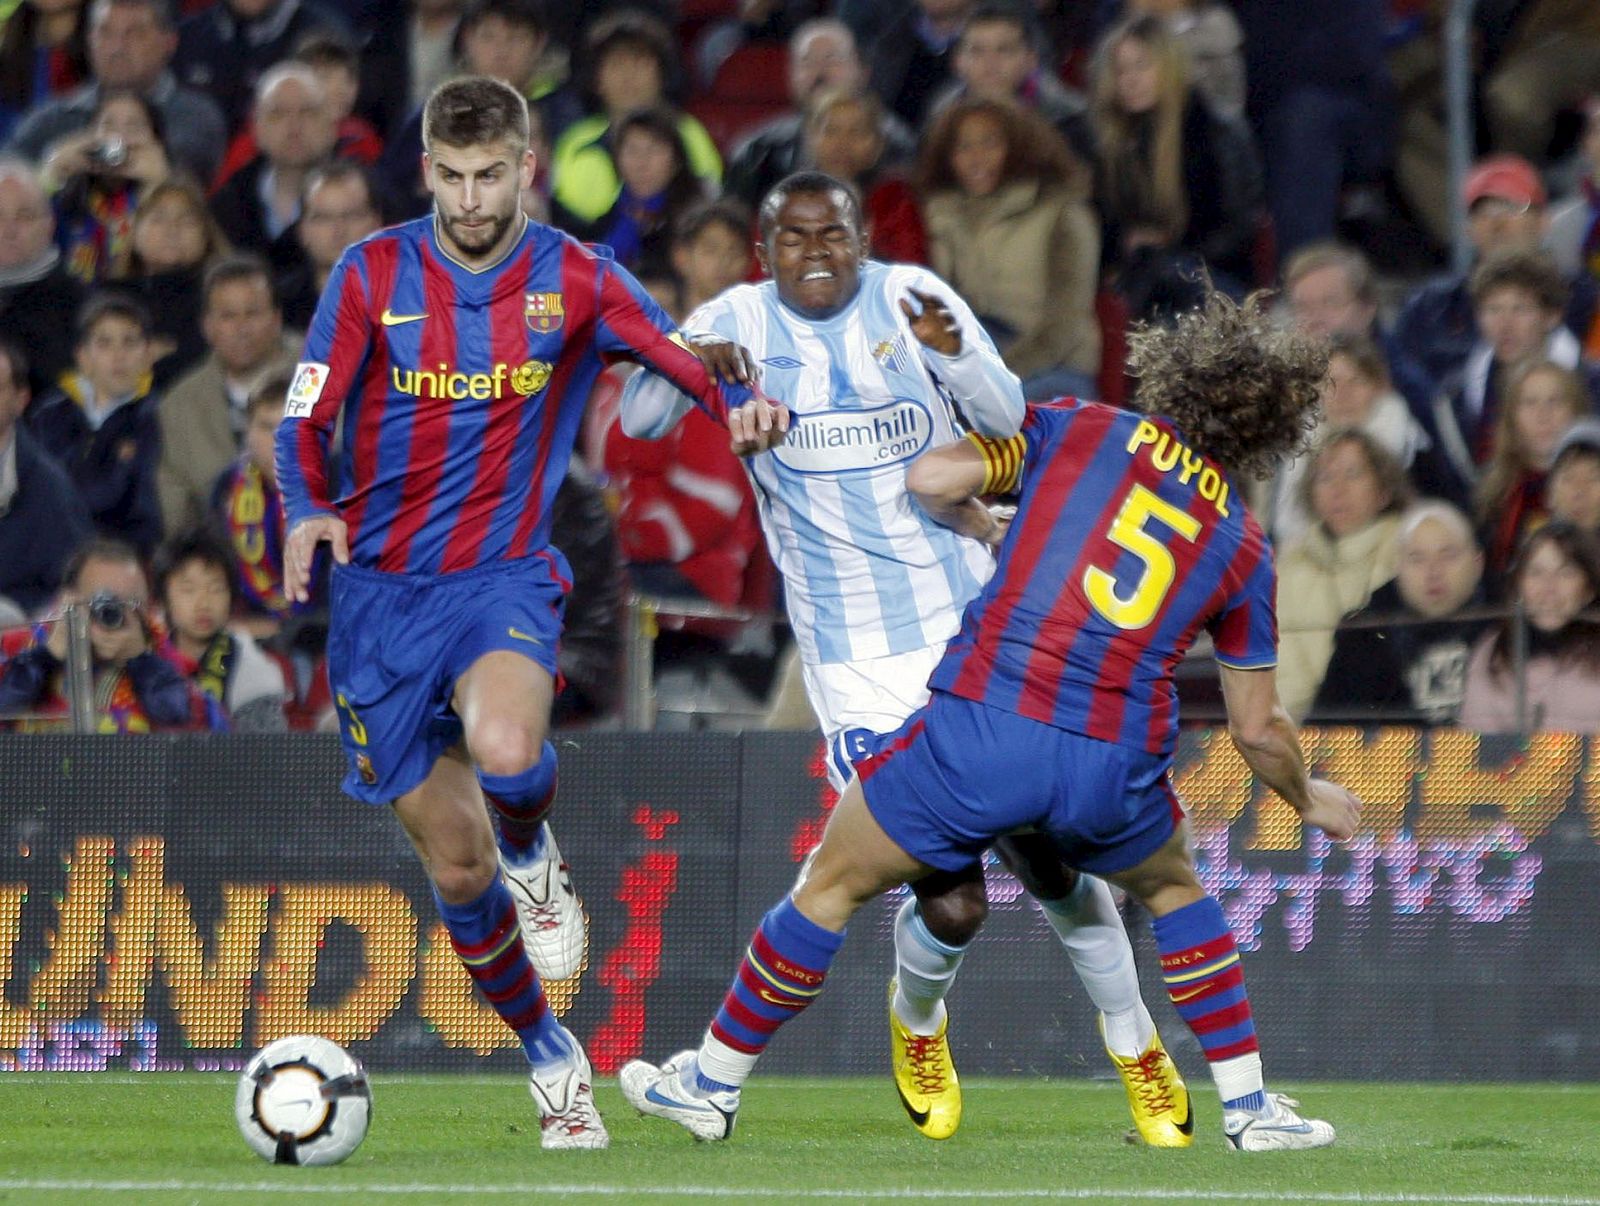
point(1125, 544)
point(462, 391)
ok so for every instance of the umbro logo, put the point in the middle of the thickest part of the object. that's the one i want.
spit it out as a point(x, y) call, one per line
point(782, 362)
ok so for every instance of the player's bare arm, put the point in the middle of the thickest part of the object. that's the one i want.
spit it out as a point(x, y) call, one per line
point(946, 483)
point(301, 547)
point(932, 322)
point(1270, 745)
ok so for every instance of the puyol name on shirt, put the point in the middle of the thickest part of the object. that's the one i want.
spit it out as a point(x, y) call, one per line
point(1168, 454)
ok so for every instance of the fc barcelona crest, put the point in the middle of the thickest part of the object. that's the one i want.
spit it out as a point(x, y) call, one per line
point(544, 312)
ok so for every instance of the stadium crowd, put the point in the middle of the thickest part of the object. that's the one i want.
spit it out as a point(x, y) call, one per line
point(177, 181)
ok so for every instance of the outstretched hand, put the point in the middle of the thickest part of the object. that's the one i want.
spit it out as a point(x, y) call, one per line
point(758, 425)
point(935, 327)
point(1335, 810)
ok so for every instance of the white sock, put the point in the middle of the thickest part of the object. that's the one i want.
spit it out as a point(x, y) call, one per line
point(1238, 1077)
point(720, 1062)
point(1087, 922)
point(924, 970)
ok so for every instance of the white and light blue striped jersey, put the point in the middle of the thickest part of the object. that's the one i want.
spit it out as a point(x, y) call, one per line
point(866, 572)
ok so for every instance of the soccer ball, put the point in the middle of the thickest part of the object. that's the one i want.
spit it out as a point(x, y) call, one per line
point(303, 1100)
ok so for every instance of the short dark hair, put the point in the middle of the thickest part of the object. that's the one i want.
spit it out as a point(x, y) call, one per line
point(702, 215)
point(109, 303)
point(1363, 352)
point(319, 48)
point(1242, 389)
point(98, 548)
point(474, 111)
point(239, 266)
point(1533, 271)
point(996, 11)
point(817, 183)
point(16, 359)
point(525, 14)
point(637, 30)
point(1385, 466)
point(197, 544)
point(271, 390)
point(337, 171)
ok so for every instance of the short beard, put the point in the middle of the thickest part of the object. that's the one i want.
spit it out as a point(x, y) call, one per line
point(486, 238)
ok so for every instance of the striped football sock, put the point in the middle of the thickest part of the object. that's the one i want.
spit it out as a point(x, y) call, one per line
point(520, 804)
point(487, 939)
point(782, 973)
point(1205, 982)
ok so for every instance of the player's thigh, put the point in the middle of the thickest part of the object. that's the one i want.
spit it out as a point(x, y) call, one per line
point(856, 862)
point(1035, 860)
point(445, 818)
point(1165, 880)
point(503, 700)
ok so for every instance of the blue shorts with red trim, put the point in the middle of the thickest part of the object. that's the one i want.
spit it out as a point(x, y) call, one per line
point(960, 774)
point(397, 643)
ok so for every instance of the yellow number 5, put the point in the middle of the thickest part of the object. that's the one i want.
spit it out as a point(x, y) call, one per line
point(1144, 600)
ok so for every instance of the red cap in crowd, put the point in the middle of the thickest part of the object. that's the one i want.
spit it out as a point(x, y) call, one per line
point(1506, 178)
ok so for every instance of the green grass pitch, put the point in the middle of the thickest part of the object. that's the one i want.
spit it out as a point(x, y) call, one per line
point(170, 1138)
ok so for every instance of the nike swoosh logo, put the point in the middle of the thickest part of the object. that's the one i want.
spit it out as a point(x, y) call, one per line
point(706, 1106)
point(1180, 998)
point(1187, 1125)
point(518, 635)
point(920, 1117)
point(770, 999)
point(390, 319)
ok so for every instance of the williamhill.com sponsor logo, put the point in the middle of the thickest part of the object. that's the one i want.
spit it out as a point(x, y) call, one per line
point(845, 441)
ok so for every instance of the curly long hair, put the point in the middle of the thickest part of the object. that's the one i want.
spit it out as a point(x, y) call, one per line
point(1245, 391)
point(1034, 150)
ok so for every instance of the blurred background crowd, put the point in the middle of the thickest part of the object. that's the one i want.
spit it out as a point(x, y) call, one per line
point(178, 179)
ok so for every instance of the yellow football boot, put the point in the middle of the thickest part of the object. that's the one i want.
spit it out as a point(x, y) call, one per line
point(925, 1076)
point(1157, 1096)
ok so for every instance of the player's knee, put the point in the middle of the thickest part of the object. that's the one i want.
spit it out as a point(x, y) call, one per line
point(462, 882)
point(503, 748)
point(955, 917)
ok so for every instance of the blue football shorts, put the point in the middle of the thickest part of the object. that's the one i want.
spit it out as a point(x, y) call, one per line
point(397, 643)
point(960, 774)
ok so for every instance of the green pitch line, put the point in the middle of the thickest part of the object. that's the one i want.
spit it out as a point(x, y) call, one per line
point(170, 1138)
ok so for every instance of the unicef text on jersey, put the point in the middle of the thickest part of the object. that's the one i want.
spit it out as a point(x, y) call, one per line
point(853, 441)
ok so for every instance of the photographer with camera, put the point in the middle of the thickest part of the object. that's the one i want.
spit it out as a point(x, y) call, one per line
point(98, 176)
point(137, 682)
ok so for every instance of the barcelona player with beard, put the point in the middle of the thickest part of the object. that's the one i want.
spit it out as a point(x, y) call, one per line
point(1054, 708)
point(460, 349)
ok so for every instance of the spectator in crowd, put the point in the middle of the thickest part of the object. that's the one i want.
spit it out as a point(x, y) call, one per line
point(37, 293)
point(1357, 394)
point(138, 685)
point(1355, 491)
point(341, 207)
point(101, 174)
point(844, 138)
point(1402, 659)
point(1555, 580)
point(507, 40)
point(42, 519)
point(631, 64)
point(753, 23)
point(174, 239)
point(1011, 231)
point(1505, 201)
point(1518, 298)
point(658, 185)
point(260, 204)
point(432, 28)
point(1179, 185)
point(711, 250)
point(1574, 233)
point(131, 44)
point(822, 56)
point(1572, 491)
point(43, 54)
point(225, 49)
point(246, 507)
point(1332, 289)
point(203, 414)
point(101, 423)
point(1318, 97)
point(998, 57)
point(591, 633)
point(1542, 401)
point(337, 66)
point(911, 56)
point(1210, 33)
point(243, 686)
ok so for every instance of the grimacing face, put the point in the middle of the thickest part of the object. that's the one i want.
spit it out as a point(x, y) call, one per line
point(813, 251)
